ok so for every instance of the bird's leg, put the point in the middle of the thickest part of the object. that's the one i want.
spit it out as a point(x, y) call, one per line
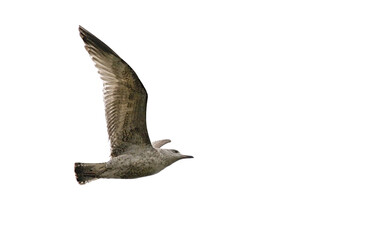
point(160, 143)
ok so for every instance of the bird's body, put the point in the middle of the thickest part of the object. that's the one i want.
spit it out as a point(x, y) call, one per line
point(132, 154)
point(140, 162)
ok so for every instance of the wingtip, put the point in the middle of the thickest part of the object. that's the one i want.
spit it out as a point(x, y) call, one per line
point(85, 33)
point(82, 31)
point(91, 40)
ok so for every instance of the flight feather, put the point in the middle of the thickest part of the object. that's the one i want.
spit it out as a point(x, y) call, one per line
point(125, 97)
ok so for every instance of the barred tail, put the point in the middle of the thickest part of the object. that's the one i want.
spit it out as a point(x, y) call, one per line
point(86, 172)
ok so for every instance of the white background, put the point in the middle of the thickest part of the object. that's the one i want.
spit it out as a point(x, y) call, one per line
point(284, 105)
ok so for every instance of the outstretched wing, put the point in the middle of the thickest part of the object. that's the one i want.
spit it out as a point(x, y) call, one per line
point(124, 95)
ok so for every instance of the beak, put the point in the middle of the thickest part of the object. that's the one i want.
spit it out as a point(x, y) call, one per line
point(187, 156)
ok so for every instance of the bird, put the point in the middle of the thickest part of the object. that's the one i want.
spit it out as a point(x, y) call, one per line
point(125, 98)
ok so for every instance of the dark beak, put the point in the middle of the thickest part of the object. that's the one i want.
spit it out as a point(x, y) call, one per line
point(187, 156)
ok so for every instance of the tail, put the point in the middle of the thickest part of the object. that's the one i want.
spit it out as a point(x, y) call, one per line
point(86, 172)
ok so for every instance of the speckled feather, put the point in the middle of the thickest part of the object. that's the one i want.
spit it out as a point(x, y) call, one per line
point(124, 95)
point(132, 154)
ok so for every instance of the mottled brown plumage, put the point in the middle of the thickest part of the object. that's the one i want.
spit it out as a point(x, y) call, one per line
point(124, 95)
point(125, 98)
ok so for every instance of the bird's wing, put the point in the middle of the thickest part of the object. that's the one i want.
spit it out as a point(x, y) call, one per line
point(160, 143)
point(124, 95)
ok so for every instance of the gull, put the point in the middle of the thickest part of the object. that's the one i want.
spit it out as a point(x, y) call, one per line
point(125, 98)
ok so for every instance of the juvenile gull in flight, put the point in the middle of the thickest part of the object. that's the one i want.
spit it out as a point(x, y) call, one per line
point(125, 98)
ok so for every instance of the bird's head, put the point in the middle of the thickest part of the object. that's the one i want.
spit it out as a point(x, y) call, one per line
point(172, 155)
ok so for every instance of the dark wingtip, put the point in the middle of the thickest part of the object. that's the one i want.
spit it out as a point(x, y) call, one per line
point(83, 32)
point(91, 40)
point(82, 29)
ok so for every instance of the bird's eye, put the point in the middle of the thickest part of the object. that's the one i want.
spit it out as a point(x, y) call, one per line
point(174, 151)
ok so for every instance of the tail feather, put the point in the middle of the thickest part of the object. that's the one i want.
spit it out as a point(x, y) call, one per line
point(86, 172)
